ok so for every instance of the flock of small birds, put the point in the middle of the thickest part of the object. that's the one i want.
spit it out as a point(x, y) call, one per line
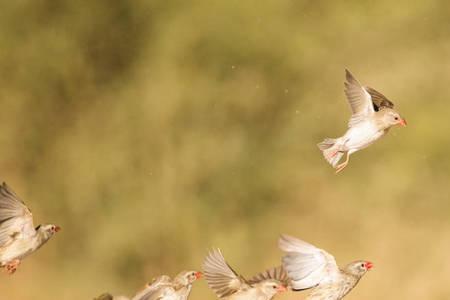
point(303, 266)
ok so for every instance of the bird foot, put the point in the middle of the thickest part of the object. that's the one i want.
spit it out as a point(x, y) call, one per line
point(12, 266)
point(341, 167)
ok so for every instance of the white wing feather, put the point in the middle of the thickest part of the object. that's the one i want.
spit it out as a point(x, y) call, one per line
point(359, 99)
point(306, 265)
point(16, 220)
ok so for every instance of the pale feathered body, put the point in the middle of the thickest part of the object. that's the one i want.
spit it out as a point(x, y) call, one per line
point(228, 285)
point(312, 268)
point(163, 288)
point(372, 116)
point(334, 291)
point(255, 293)
point(18, 237)
point(20, 248)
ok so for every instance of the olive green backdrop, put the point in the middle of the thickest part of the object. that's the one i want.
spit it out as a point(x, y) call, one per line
point(151, 131)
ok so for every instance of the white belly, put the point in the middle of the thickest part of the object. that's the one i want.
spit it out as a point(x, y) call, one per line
point(17, 250)
point(361, 136)
point(249, 294)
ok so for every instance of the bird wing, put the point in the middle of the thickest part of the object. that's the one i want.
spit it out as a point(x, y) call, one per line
point(105, 296)
point(277, 273)
point(359, 99)
point(162, 292)
point(221, 278)
point(154, 288)
point(306, 265)
point(378, 99)
point(16, 220)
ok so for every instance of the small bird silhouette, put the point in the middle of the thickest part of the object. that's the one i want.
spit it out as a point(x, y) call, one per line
point(18, 237)
point(227, 284)
point(311, 267)
point(163, 288)
point(372, 117)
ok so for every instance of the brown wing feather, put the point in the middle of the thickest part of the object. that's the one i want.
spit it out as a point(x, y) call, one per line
point(378, 99)
point(221, 278)
point(277, 273)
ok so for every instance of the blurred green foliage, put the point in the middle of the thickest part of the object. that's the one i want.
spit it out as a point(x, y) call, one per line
point(154, 130)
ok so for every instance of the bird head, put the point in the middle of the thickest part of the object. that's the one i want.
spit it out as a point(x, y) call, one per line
point(359, 268)
point(187, 277)
point(47, 230)
point(271, 287)
point(390, 117)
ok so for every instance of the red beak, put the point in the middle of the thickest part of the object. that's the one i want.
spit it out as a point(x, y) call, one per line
point(369, 265)
point(198, 275)
point(57, 228)
point(281, 289)
point(402, 122)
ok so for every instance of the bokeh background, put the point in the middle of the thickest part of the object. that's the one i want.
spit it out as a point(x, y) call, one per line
point(151, 131)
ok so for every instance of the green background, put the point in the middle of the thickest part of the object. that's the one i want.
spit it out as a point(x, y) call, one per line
point(151, 131)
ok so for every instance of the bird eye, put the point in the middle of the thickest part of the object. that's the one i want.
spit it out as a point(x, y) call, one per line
point(396, 118)
point(274, 286)
point(362, 265)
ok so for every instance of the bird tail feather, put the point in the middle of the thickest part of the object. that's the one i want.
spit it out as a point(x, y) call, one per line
point(330, 150)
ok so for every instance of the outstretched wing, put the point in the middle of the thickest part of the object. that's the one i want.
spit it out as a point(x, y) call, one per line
point(221, 278)
point(16, 220)
point(359, 99)
point(277, 273)
point(378, 99)
point(306, 265)
point(154, 289)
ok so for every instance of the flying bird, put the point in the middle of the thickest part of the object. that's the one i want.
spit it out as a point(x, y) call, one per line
point(309, 267)
point(163, 288)
point(18, 236)
point(228, 285)
point(372, 117)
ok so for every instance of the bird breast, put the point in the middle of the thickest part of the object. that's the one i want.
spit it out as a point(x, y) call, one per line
point(362, 135)
point(250, 294)
point(334, 291)
point(18, 249)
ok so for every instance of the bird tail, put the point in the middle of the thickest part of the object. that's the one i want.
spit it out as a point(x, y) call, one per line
point(330, 150)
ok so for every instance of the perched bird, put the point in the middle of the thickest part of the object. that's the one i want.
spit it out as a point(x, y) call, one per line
point(18, 237)
point(227, 284)
point(372, 117)
point(163, 288)
point(311, 267)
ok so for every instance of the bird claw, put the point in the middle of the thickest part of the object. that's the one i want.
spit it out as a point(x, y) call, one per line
point(341, 167)
point(11, 267)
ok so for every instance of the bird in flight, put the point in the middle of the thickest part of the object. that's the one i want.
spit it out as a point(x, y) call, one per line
point(309, 267)
point(228, 285)
point(372, 117)
point(18, 236)
point(164, 288)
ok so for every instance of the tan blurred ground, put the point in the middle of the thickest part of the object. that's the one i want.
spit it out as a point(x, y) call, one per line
point(154, 130)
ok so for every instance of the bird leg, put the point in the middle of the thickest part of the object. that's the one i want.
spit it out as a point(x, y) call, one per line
point(12, 266)
point(341, 166)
